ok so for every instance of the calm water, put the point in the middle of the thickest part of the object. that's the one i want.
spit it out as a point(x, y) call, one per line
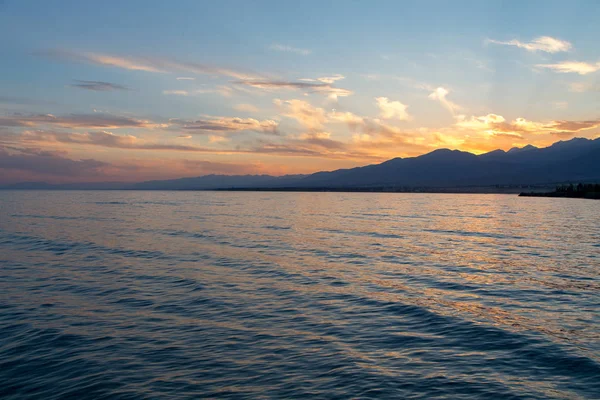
point(308, 295)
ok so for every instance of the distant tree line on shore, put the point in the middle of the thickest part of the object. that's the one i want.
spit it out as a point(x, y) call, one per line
point(581, 190)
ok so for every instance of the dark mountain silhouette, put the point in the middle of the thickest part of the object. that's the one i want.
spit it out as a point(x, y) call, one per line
point(575, 160)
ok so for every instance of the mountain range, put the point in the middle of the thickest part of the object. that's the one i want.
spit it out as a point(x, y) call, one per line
point(575, 160)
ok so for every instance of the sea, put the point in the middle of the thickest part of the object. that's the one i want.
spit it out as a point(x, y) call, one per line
point(274, 295)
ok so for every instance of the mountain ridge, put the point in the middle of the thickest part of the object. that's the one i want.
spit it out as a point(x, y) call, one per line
point(572, 160)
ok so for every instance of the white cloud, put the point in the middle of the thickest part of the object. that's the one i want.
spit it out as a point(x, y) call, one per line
point(579, 67)
point(185, 78)
point(331, 79)
point(543, 43)
point(222, 90)
point(176, 92)
point(392, 109)
point(306, 114)
point(290, 49)
point(305, 84)
point(440, 94)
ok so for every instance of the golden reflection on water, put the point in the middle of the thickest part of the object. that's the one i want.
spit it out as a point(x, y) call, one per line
point(495, 260)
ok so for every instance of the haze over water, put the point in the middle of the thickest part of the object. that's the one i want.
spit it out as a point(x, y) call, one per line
point(303, 295)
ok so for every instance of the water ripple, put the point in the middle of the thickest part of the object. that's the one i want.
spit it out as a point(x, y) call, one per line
point(292, 295)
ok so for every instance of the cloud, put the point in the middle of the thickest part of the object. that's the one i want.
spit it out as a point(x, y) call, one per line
point(314, 87)
point(290, 49)
point(373, 138)
point(306, 114)
point(217, 139)
point(147, 64)
point(222, 90)
point(185, 78)
point(184, 137)
point(45, 163)
point(98, 86)
point(105, 139)
point(314, 145)
point(323, 140)
point(493, 124)
point(246, 108)
point(440, 95)
point(311, 146)
point(349, 118)
point(19, 164)
point(228, 124)
point(325, 79)
point(176, 92)
point(578, 67)
point(543, 43)
point(392, 109)
point(90, 121)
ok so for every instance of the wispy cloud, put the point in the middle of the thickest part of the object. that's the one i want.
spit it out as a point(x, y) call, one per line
point(578, 67)
point(185, 78)
point(222, 90)
point(176, 92)
point(546, 44)
point(314, 87)
point(98, 86)
point(147, 64)
point(105, 139)
point(227, 124)
point(90, 121)
point(325, 79)
point(290, 49)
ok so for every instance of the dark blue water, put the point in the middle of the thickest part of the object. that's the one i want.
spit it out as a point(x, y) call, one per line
point(151, 295)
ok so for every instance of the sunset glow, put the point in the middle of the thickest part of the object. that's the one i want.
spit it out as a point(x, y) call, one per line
point(312, 87)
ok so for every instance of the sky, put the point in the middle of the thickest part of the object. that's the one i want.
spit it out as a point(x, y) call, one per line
point(137, 90)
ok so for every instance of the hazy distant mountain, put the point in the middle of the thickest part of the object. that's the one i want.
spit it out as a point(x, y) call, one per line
point(575, 160)
point(218, 182)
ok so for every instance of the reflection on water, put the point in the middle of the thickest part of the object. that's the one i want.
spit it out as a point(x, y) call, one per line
point(271, 295)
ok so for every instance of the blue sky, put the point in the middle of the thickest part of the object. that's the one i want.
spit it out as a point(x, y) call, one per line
point(165, 89)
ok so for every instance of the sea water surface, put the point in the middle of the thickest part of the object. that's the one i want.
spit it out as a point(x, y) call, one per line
point(152, 295)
